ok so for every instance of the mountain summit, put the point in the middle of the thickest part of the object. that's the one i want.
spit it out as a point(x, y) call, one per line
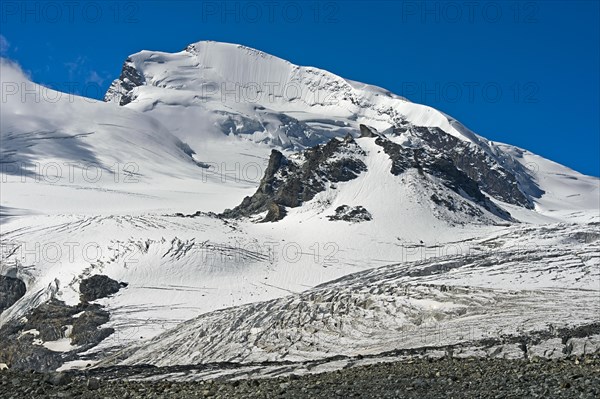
point(213, 91)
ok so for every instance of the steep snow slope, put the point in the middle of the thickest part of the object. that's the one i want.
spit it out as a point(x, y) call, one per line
point(568, 194)
point(63, 153)
point(234, 81)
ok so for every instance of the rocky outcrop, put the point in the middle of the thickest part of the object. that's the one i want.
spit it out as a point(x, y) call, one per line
point(275, 212)
point(23, 339)
point(86, 331)
point(291, 182)
point(11, 290)
point(473, 161)
point(120, 90)
point(366, 131)
point(355, 214)
point(441, 166)
point(98, 286)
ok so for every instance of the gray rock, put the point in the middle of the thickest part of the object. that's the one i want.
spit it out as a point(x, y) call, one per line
point(354, 214)
point(97, 286)
point(289, 184)
point(93, 384)
point(11, 290)
point(59, 379)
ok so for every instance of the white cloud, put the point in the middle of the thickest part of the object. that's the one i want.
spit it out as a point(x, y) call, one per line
point(12, 72)
point(94, 77)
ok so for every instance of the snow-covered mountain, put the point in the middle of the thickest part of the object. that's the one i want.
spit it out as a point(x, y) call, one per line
point(211, 90)
point(221, 176)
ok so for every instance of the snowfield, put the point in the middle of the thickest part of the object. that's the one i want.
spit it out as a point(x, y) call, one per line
point(501, 289)
point(132, 188)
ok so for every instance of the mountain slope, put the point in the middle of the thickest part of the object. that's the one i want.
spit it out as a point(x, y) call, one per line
point(213, 94)
point(325, 173)
point(501, 293)
point(57, 146)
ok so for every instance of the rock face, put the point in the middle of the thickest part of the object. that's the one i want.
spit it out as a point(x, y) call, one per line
point(11, 290)
point(443, 162)
point(86, 331)
point(97, 287)
point(366, 131)
point(23, 340)
point(491, 176)
point(130, 78)
point(291, 182)
point(354, 214)
point(436, 164)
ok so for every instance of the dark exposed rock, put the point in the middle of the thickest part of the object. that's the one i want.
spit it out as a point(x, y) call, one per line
point(290, 183)
point(50, 318)
point(11, 290)
point(23, 355)
point(85, 327)
point(129, 79)
point(58, 379)
point(93, 384)
point(275, 212)
point(49, 322)
point(351, 214)
point(98, 286)
point(19, 351)
point(365, 131)
point(479, 166)
point(439, 165)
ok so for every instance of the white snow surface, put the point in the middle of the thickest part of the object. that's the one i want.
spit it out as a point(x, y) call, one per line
point(499, 287)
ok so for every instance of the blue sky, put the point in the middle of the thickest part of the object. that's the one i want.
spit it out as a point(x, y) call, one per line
point(525, 73)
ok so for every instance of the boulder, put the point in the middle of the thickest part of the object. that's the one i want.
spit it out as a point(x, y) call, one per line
point(98, 286)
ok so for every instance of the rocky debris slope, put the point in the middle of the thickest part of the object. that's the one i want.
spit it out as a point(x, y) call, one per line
point(54, 332)
point(418, 378)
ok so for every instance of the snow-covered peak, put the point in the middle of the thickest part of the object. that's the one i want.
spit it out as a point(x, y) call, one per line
point(225, 82)
point(213, 93)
